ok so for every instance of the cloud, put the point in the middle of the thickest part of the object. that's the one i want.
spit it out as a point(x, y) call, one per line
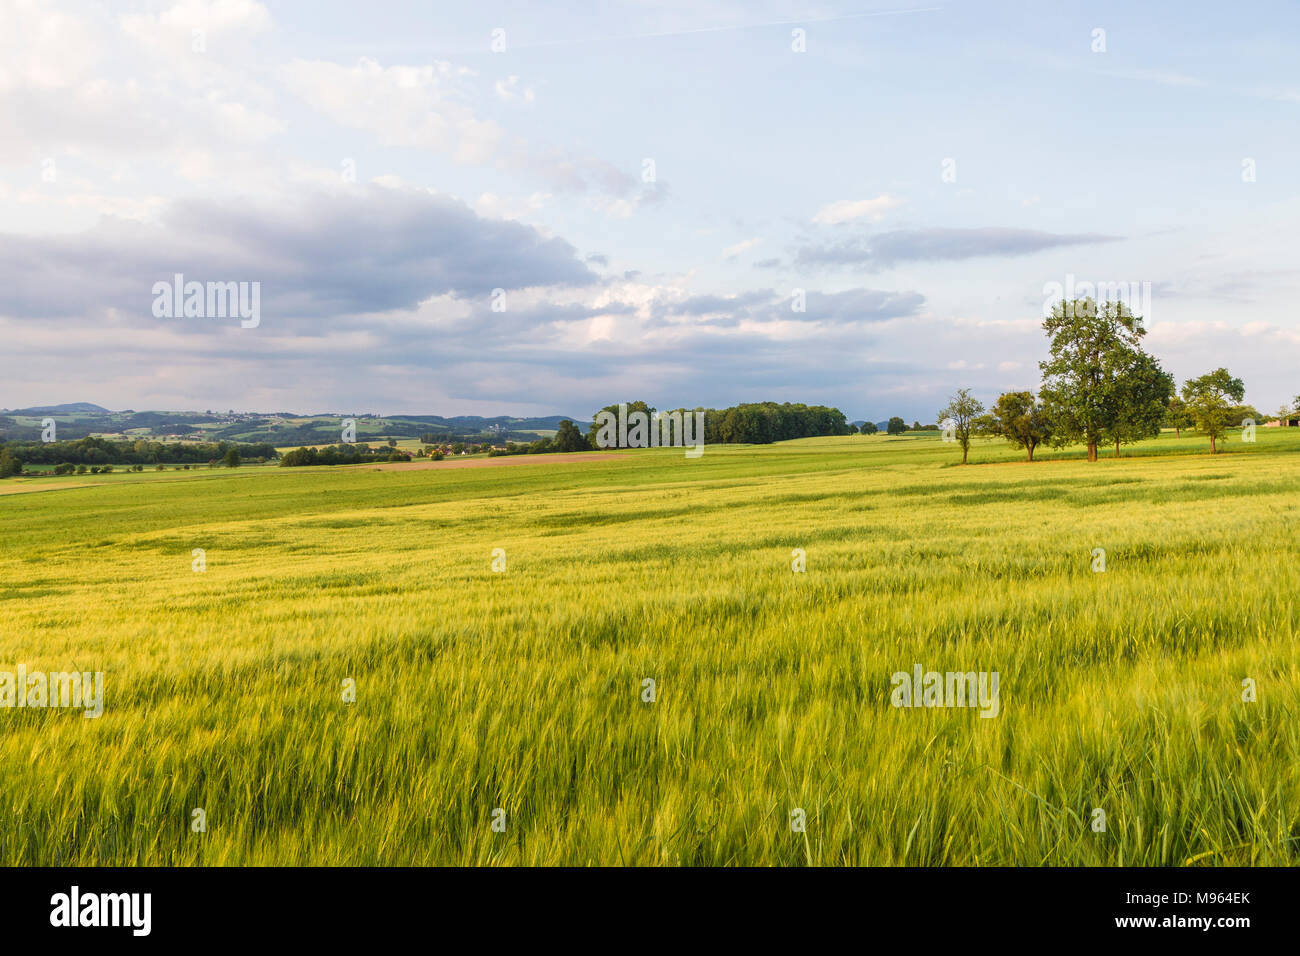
point(133, 86)
point(732, 251)
point(510, 91)
point(936, 244)
point(847, 210)
point(492, 206)
point(766, 306)
point(424, 107)
point(432, 107)
point(319, 254)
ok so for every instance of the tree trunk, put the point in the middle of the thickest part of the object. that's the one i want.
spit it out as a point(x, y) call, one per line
point(1092, 451)
point(1213, 449)
point(1030, 449)
point(1116, 447)
point(963, 454)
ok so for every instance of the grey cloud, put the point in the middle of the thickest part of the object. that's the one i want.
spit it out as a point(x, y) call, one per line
point(318, 254)
point(936, 244)
point(849, 306)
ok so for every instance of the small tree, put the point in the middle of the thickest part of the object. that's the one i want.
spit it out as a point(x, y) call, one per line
point(869, 428)
point(1210, 400)
point(1177, 416)
point(1020, 420)
point(962, 411)
point(232, 458)
point(9, 465)
point(568, 438)
point(896, 426)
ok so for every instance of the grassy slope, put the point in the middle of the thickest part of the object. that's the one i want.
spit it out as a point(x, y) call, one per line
point(522, 690)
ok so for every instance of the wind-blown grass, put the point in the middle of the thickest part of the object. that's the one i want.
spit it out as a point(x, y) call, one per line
point(522, 690)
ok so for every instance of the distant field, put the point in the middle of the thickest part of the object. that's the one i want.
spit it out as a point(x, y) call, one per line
point(522, 690)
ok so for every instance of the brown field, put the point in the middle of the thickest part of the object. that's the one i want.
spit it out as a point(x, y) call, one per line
point(489, 462)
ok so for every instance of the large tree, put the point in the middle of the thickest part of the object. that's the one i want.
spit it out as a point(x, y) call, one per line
point(1090, 348)
point(1139, 400)
point(1020, 420)
point(960, 415)
point(1210, 399)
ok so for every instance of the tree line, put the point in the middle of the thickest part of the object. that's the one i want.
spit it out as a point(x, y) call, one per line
point(1100, 387)
point(752, 423)
point(103, 451)
point(340, 455)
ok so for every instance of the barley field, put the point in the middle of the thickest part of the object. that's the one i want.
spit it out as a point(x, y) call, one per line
point(524, 690)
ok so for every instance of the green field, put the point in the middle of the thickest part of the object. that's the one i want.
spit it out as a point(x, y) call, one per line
point(522, 690)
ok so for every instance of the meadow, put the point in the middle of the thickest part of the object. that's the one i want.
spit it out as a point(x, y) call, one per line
point(523, 689)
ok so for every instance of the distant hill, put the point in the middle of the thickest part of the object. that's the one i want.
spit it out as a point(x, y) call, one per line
point(83, 408)
point(81, 419)
point(476, 423)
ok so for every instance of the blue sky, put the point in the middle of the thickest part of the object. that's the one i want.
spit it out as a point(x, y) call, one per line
point(380, 169)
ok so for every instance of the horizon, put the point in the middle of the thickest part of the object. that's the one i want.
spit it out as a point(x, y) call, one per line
point(67, 407)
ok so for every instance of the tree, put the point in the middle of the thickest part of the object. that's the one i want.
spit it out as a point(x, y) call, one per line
point(1177, 416)
point(1020, 420)
point(9, 465)
point(1090, 347)
point(1207, 399)
point(568, 438)
point(1240, 414)
point(232, 458)
point(896, 426)
point(1139, 400)
point(961, 412)
point(869, 428)
point(637, 406)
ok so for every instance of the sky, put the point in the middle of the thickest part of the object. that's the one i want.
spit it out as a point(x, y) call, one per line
point(522, 208)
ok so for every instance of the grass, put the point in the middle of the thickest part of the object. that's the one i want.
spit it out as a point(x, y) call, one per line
point(522, 690)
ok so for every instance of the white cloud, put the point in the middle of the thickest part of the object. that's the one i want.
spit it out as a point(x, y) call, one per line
point(492, 206)
point(732, 251)
point(510, 91)
point(847, 210)
point(424, 107)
